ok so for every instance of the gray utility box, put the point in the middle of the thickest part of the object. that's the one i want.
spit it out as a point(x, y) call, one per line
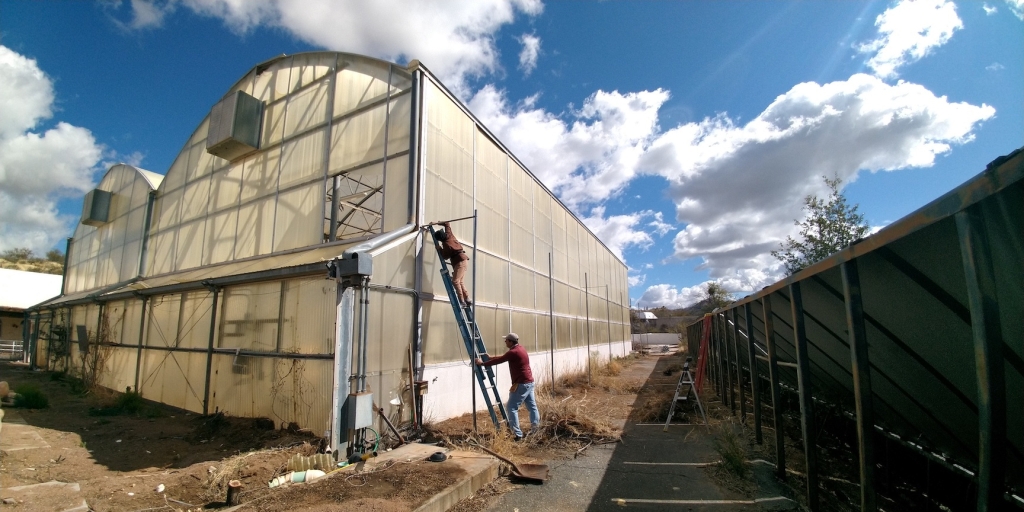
point(359, 410)
point(96, 208)
point(235, 124)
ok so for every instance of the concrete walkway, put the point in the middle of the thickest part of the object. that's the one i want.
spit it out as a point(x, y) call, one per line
point(649, 470)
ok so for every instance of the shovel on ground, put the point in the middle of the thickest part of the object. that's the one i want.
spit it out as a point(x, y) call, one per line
point(536, 473)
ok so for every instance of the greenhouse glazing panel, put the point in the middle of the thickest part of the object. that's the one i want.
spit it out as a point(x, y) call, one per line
point(308, 316)
point(302, 161)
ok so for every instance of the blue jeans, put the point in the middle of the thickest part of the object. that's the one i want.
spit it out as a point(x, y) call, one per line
point(523, 393)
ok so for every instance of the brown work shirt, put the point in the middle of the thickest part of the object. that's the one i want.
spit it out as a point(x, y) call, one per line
point(451, 249)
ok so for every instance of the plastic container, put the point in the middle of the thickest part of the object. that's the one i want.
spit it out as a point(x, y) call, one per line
point(296, 477)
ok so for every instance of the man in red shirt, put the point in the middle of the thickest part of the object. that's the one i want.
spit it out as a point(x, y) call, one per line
point(452, 250)
point(522, 383)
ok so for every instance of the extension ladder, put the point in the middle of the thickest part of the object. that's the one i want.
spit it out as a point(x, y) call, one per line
point(685, 379)
point(474, 342)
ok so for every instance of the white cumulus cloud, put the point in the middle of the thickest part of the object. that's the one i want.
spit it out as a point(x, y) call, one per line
point(989, 9)
point(665, 295)
point(738, 188)
point(617, 231)
point(530, 52)
point(1016, 7)
point(908, 31)
point(586, 157)
point(454, 38)
point(37, 168)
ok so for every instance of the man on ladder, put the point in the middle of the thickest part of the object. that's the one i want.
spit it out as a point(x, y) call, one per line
point(452, 250)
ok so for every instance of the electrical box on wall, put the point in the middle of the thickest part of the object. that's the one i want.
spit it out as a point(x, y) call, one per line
point(235, 124)
point(96, 208)
point(359, 410)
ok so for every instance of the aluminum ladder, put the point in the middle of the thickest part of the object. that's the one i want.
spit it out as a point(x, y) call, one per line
point(685, 379)
point(474, 342)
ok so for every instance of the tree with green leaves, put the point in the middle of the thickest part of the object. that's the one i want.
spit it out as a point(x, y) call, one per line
point(715, 296)
point(829, 225)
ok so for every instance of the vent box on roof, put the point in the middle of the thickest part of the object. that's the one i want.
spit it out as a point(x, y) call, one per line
point(235, 126)
point(96, 208)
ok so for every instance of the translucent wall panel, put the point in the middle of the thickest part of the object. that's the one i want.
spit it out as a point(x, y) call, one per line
point(196, 200)
point(541, 228)
point(298, 217)
point(521, 207)
point(308, 313)
point(357, 139)
point(188, 247)
point(220, 237)
point(493, 279)
point(441, 339)
point(118, 370)
point(163, 314)
point(260, 174)
point(563, 334)
point(167, 209)
point(494, 324)
point(449, 158)
point(284, 390)
point(272, 83)
point(273, 123)
point(523, 291)
point(174, 378)
point(306, 109)
point(250, 317)
point(359, 83)
point(396, 266)
point(399, 122)
point(543, 332)
point(255, 228)
point(310, 67)
point(492, 195)
point(543, 286)
point(194, 326)
point(160, 255)
point(226, 187)
point(525, 325)
point(302, 161)
point(390, 336)
point(396, 201)
point(132, 321)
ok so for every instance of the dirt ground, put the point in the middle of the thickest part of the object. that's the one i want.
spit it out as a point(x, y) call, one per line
point(120, 459)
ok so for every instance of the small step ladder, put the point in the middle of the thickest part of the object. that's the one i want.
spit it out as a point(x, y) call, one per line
point(685, 379)
point(474, 342)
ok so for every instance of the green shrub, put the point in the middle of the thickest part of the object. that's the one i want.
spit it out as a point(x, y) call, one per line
point(130, 402)
point(29, 397)
point(729, 445)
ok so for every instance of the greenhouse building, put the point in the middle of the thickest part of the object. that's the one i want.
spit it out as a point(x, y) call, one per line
point(280, 265)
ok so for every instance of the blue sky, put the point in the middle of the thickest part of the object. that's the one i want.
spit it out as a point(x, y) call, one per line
point(685, 134)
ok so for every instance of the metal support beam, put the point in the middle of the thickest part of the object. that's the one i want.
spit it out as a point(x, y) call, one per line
point(803, 372)
point(773, 375)
point(862, 393)
point(752, 361)
point(209, 350)
point(727, 370)
point(739, 364)
point(988, 358)
point(142, 336)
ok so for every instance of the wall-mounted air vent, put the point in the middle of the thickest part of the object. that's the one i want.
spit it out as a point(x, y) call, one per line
point(96, 208)
point(235, 126)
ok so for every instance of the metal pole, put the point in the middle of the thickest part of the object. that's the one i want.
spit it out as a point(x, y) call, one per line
point(728, 363)
point(142, 333)
point(739, 364)
point(209, 350)
point(755, 394)
point(861, 383)
point(551, 316)
point(608, 320)
point(474, 368)
point(803, 372)
point(773, 375)
point(586, 297)
point(988, 358)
